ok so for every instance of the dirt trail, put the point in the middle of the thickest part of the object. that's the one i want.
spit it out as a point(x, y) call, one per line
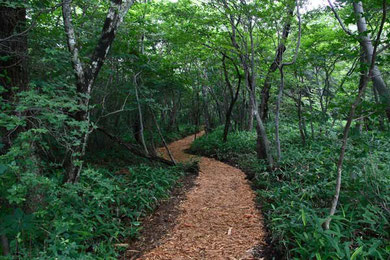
point(217, 220)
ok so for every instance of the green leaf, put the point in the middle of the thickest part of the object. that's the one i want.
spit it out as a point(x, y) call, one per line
point(356, 253)
point(303, 217)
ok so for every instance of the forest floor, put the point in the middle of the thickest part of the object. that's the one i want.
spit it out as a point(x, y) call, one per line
point(216, 218)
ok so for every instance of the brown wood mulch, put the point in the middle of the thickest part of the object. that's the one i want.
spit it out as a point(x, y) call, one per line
point(216, 219)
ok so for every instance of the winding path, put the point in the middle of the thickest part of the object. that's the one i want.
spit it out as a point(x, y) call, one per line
point(217, 220)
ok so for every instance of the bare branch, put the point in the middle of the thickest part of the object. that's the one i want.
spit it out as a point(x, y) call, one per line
point(339, 19)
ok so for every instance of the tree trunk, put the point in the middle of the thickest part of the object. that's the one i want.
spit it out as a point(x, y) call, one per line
point(302, 125)
point(162, 137)
point(233, 96)
point(362, 86)
point(277, 113)
point(366, 43)
point(206, 114)
point(173, 114)
point(311, 114)
point(263, 149)
point(140, 117)
point(265, 92)
point(249, 126)
point(4, 245)
point(227, 122)
point(13, 69)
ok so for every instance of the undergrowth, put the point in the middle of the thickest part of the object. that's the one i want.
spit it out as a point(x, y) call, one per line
point(83, 220)
point(295, 199)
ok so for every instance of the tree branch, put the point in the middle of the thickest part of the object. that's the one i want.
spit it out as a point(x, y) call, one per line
point(133, 149)
point(339, 19)
point(299, 38)
point(72, 44)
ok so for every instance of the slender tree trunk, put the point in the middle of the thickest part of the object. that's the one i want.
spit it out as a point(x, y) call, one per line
point(265, 92)
point(162, 137)
point(280, 94)
point(206, 114)
point(140, 117)
point(362, 86)
point(243, 110)
point(248, 64)
point(277, 115)
point(364, 78)
point(173, 114)
point(251, 116)
point(302, 125)
point(233, 97)
point(311, 114)
point(227, 122)
point(4, 245)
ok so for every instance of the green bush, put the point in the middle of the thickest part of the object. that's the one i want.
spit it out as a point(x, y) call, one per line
point(295, 198)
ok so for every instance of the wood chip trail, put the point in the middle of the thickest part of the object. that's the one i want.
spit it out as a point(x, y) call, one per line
point(218, 218)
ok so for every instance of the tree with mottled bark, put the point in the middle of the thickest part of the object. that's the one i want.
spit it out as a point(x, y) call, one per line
point(86, 74)
point(366, 43)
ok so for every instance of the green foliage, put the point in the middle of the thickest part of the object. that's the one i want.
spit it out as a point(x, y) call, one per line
point(295, 198)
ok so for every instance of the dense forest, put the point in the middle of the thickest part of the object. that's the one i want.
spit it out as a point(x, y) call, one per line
point(97, 96)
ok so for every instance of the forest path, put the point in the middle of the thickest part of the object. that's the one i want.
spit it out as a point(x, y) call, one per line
point(218, 218)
